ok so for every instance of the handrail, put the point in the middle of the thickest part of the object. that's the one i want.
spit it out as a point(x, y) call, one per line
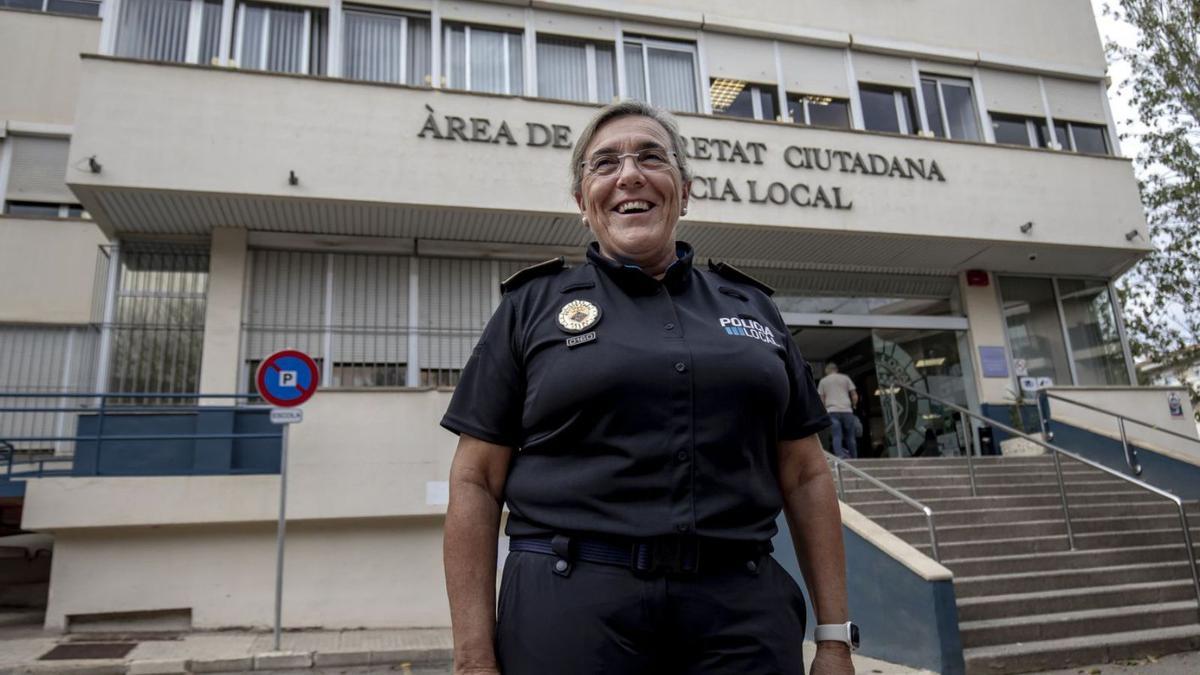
point(1131, 453)
point(1056, 450)
point(838, 463)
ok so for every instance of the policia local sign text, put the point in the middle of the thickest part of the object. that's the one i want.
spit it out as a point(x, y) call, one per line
point(720, 150)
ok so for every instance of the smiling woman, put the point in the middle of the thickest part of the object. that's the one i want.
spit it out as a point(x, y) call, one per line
point(643, 419)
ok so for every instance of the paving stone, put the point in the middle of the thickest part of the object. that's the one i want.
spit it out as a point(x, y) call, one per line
point(236, 665)
point(158, 667)
point(359, 658)
point(418, 655)
point(281, 660)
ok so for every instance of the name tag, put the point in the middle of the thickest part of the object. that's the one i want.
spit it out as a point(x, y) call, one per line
point(576, 340)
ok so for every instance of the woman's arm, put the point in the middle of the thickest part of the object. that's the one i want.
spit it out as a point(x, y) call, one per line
point(469, 550)
point(815, 521)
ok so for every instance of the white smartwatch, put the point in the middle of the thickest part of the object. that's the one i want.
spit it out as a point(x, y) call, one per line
point(838, 632)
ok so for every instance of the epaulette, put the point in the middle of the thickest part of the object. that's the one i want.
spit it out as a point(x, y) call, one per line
point(734, 274)
point(551, 266)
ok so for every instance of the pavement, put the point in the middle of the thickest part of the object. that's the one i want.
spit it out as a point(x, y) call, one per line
point(416, 651)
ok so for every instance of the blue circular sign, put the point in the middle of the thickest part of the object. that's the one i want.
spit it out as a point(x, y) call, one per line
point(287, 378)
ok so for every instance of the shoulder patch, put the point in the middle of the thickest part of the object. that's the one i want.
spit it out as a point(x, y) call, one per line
point(552, 266)
point(734, 274)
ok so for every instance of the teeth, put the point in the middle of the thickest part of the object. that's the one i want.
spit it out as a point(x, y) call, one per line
point(622, 208)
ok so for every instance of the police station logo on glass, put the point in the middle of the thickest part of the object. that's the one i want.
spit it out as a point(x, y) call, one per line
point(577, 316)
point(734, 325)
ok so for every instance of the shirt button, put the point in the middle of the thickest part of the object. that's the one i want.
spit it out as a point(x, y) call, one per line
point(681, 456)
point(683, 527)
point(669, 326)
point(561, 565)
point(751, 566)
point(680, 367)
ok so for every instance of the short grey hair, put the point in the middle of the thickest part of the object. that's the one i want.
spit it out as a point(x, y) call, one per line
point(623, 109)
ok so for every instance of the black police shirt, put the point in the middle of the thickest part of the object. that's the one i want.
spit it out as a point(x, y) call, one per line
point(662, 415)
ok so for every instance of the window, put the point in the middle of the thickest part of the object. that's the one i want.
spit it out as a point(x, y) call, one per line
point(1093, 334)
point(1065, 329)
point(1080, 137)
point(386, 46)
point(949, 108)
point(158, 330)
point(887, 109)
point(819, 111)
point(159, 30)
point(44, 359)
point(44, 210)
point(662, 73)
point(575, 70)
point(36, 185)
point(1018, 130)
point(80, 7)
point(280, 39)
point(483, 59)
point(736, 98)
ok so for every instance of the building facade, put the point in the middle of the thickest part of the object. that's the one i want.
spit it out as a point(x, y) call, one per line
point(935, 189)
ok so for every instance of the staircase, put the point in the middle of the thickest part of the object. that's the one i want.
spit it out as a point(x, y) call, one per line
point(1026, 602)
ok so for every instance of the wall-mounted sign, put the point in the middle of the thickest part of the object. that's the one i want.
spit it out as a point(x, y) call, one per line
point(1175, 403)
point(993, 362)
point(1020, 367)
point(777, 190)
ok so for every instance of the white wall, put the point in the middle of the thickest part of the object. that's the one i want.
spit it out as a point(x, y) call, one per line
point(40, 75)
point(986, 317)
point(47, 269)
point(338, 574)
point(1146, 404)
point(223, 313)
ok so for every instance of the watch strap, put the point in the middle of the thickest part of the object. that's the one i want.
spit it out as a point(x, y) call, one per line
point(835, 632)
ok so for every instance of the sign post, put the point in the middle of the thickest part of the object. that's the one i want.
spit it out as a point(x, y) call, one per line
point(285, 379)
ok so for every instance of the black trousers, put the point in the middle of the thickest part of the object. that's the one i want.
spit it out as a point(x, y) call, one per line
point(744, 620)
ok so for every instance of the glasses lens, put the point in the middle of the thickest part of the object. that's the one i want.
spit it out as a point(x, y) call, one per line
point(604, 164)
point(653, 159)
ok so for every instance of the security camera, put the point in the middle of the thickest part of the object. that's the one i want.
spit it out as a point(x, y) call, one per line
point(1032, 257)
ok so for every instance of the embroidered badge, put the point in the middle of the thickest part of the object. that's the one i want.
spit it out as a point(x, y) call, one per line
point(748, 327)
point(577, 316)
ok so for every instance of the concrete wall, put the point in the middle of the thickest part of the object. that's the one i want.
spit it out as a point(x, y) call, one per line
point(1146, 404)
point(223, 313)
point(338, 574)
point(48, 267)
point(358, 454)
point(987, 329)
point(361, 142)
point(40, 53)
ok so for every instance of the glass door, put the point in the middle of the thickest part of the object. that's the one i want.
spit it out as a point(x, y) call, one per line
point(928, 361)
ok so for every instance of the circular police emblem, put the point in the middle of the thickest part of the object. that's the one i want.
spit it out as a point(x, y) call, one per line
point(577, 316)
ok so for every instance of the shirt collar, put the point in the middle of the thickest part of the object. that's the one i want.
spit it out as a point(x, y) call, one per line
point(633, 279)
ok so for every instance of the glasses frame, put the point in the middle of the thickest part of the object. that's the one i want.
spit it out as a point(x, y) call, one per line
point(620, 157)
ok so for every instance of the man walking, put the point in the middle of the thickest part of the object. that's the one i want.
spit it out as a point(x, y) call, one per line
point(840, 397)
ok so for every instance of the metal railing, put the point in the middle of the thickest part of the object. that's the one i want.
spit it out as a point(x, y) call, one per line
point(1131, 452)
point(838, 463)
point(103, 406)
point(966, 430)
point(1055, 453)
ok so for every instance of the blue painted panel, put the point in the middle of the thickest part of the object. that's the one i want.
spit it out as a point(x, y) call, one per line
point(181, 456)
point(12, 488)
point(904, 619)
point(1161, 471)
point(1004, 415)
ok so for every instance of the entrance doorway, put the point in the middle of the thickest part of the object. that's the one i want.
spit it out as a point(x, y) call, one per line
point(873, 355)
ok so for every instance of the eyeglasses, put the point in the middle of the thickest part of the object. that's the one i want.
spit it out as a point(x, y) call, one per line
point(647, 159)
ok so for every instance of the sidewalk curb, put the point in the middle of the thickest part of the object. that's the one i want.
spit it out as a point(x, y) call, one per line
point(263, 662)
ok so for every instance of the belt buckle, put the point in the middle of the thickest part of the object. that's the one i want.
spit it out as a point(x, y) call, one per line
point(676, 554)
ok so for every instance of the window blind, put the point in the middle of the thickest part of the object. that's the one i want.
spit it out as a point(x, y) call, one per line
point(737, 57)
point(154, 29)
point(1075, 100)
point(814, 70)
point(39, 169)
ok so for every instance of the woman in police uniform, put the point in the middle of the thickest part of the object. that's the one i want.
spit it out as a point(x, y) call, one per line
point(646, 421)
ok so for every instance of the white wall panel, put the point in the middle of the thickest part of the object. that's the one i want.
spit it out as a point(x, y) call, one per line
point(1075, 100)
point(483, 13)
point(740, 58)
point(1016, 93)
point(574, 25)
point(880, 69)
point(814, 70)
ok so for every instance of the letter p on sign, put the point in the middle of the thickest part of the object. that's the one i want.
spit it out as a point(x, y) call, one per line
point(287, 378)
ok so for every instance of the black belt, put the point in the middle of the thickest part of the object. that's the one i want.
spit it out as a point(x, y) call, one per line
point(673, 554)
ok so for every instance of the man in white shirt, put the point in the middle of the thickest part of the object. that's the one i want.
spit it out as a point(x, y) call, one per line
point(840, 397)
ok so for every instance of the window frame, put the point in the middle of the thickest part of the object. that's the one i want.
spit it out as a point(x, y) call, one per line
point(591, 64)
point(508, 34)
point(404, 17)
point(904, 121)
point(192, 35)
point(45, 9)
point(938, 81)
point(757, 91)
point(239, 25)
point(1103, 129)
point(803, 100)
point(647, 43)
point(1033, 126)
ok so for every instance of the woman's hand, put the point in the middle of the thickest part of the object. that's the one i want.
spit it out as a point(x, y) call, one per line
point(832, 658)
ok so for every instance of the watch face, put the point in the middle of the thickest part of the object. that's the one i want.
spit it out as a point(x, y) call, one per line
point(854, 635)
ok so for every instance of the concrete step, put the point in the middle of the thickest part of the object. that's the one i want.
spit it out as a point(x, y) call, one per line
point(963, 471)
point(983, 531)
point(904, 483)
point(1015, 605)
point(1077, 623)
point(1064, 579)
point(1018, 514)
point(888, 505)
point(994, 460)
point(1021, 563)
point(1081, 651)
point(1052, 543)
point(921, 494)
point(1169, 521)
